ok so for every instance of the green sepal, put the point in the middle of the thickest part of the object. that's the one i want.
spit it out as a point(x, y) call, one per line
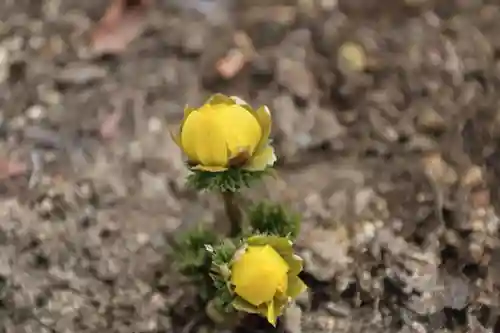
point(231, 180)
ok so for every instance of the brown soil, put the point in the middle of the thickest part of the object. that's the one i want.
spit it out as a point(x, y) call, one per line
point(385, 119)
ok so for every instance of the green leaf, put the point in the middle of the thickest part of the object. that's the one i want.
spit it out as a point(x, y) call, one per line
point(295, 262)
point(224, 252)
point(282, 245)
point(295, 286)
point(189, 254)
point(273, 219)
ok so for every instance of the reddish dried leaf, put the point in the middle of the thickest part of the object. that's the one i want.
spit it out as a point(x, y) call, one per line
point(123, 21)
point(9, 168)
point(229, 66)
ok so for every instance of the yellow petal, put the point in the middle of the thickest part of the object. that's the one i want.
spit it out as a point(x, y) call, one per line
point(240, 129)
point(263, 116)
point(203, 140)
point(239, 100)
point(187, 112)
point(294, 262)
point(282, 285)
point(282, 245)
point(262, 159)
point(258, 274)
point(271, 316)
point(176, 136)
point(243, 104)
point(295, 286)
point(189, 134)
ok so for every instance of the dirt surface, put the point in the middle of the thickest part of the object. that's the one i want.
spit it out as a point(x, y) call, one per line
point(387, 126)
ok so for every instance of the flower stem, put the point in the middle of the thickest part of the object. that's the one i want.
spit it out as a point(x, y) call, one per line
point(233, 212)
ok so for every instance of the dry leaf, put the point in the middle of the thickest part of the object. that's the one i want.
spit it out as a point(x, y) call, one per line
point(9, 168)
point(231, 64)
point(123, 21)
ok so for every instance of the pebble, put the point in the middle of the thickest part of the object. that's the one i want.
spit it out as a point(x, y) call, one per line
point(295, 76)
point(81, 74)
point(421, 143)
point(438, 169)
point(429, 120)
point(155, 125)
point(36, 112)
point(293, 319)
point(326, 126)
point(473, 176)
point(351, 58)
point(195, 38)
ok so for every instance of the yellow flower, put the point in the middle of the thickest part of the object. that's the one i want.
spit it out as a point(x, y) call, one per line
point(264, 276)
point(226, 132)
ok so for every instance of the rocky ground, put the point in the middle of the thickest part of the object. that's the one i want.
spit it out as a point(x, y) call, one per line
point(386, 122)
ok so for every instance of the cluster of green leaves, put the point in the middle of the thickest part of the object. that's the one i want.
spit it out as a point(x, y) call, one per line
point(231, 180)
point(273, 219)
point(193, 261)
point(222, 255)
point(205, 258)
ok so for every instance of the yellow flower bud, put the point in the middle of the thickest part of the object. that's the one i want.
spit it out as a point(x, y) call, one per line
point(259, 274)
point(225, 132)
point(264, 276)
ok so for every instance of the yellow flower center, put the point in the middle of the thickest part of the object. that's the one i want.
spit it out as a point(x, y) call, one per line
point(214, 134)
point(259, 274)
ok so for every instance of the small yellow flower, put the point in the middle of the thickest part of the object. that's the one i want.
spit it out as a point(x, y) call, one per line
point(226, 132)
point(264, 276)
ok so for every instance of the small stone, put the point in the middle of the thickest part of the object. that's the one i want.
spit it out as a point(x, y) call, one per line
point(328, 5)
point(142, 238)
point(49, 96)
point(293, 319)
point(155, 125)
point(473, 177)
point(476, 251)
point(456, 293)
point(46, 206)
point(326, 126)
point(195, 38)
point(244, 43)
point(153, 186)
point(18, 122)
point(296, 77)
point(337, 309)
point(351, 57)
point(422, 143)
point(429, 120)
point(324, 261)
point(438, 170)
point(36, 112)
point(81, 74)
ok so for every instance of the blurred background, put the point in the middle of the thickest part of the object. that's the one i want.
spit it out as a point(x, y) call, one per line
point(386, 121)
